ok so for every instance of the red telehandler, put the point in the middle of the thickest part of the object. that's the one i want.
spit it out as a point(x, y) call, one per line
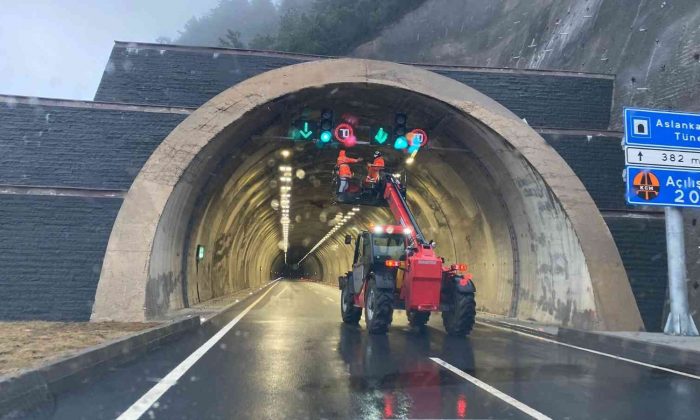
point(394, 267)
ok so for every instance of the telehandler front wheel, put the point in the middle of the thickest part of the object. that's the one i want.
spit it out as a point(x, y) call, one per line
point(350, 313)
point(379, 309)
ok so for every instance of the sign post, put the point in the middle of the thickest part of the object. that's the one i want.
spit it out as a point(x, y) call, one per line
point(662, 153)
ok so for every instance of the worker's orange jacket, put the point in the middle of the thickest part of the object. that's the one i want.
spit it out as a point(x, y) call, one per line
point(374, 168)
point(344, 165)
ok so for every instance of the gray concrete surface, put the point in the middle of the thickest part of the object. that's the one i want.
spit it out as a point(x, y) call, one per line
point(509, 204)
point(134, 74)
point(650, 46)
point(548, 330)
point(209, 309)
point(85, 147)
point(291, 356)
point(38, 386)
point(681, 343)
point(126, 135)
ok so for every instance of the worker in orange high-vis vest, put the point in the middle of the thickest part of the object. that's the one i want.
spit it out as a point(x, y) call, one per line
point(344, 171)
point(375, 167)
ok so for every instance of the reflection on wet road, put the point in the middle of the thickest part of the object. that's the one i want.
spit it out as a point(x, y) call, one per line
point(291, 357)
point(392, 376)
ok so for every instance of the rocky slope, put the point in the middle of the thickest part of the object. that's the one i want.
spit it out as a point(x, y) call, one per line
point(653, 46)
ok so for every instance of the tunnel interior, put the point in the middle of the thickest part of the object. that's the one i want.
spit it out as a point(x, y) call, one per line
point(472, 192)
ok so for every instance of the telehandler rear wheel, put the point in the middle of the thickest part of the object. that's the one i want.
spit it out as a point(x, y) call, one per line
point(459, 320)
point(417, 318)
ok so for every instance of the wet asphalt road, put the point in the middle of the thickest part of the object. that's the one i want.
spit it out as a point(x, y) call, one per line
point(291, 357)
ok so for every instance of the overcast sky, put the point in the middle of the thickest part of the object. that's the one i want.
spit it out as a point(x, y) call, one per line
point(59, 48)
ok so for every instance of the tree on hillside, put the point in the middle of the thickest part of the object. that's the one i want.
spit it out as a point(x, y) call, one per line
point(335, 27)
point(285, 6)
point(232, 40)
point(249, 18)
point(262, 42)
point(328, 27)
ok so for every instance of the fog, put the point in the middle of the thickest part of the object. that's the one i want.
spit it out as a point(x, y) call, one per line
point(58, 48)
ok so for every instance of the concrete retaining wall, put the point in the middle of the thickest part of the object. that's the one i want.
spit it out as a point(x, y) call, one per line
point(87, 147)
point(184, 76)
point(44, 144)
point(51, 251)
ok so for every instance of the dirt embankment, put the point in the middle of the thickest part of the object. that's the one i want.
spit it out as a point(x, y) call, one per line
point(28, 344)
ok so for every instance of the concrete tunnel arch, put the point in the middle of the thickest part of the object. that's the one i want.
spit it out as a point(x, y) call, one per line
point(495, 195)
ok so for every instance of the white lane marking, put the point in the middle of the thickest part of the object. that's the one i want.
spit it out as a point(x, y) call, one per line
point(493, 391)
point(688, 375)
point(333, 290)
point(282, 291)
point(600, 353)
point(146, 401)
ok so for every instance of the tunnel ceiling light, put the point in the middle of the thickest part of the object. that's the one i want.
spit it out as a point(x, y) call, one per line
point(341, 220)
point(285, 201)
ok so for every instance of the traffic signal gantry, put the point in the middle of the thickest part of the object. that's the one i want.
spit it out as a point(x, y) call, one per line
point(324, 132)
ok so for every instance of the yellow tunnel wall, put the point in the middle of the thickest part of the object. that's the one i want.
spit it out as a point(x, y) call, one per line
point(477, 198)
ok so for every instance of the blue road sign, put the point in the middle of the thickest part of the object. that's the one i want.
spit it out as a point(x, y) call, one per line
point(662, 187)
point(666, 129)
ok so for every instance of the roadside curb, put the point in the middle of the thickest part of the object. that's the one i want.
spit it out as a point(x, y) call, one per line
point(32, 387)
point(222, 311)
point(662, 355)
point(687, 361)
point(532, 330)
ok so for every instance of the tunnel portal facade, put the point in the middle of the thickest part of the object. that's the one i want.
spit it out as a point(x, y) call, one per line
point(490, 191)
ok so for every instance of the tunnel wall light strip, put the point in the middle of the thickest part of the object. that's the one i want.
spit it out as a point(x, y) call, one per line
point(285, 201)
point(341, 222)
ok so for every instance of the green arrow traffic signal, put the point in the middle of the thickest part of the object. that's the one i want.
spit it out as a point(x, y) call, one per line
point(306, 133)
point(381, 136)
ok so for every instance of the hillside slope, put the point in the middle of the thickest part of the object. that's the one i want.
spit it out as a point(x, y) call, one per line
point(653, 46)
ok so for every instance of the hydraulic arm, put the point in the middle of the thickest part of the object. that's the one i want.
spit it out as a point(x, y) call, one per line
point(422, 268)
point(402, 214)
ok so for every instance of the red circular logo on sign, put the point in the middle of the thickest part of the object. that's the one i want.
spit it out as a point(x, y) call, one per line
point(344, 132)
point(421, 134)
point(646, 185)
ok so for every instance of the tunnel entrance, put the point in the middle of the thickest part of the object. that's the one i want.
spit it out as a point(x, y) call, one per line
point(200, 220)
